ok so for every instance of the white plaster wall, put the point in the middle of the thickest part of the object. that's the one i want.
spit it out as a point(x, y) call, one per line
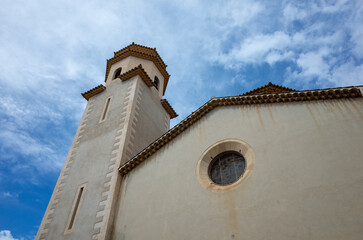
point(149, 121)
point(307, 182)
point(90, 166)
point(97, 153)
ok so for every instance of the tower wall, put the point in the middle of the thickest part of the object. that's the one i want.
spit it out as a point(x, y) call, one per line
point(149, 121)
point(97, 151)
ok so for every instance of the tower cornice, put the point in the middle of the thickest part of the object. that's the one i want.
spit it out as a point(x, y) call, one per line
point(142, 52)
point(168, 108)
point(94, 91)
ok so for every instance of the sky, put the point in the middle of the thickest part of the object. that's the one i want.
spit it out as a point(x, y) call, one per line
point(51, 51)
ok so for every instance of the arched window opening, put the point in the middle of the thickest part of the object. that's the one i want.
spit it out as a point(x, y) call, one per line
point(156, 82)
point(117, 73)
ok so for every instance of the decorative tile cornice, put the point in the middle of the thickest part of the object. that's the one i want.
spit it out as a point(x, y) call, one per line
point(168, 108)
point(303, 96)
point(141, 52)
point(94, 91)
point(137, 71)
point(269, 88)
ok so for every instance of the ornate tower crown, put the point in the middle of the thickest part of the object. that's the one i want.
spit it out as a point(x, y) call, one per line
point(150, 60)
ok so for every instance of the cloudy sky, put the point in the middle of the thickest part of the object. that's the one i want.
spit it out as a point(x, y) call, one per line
point(51, 51)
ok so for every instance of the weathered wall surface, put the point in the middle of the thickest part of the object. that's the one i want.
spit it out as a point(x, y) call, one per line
point(307, 182)
point(89, 158)
point(98, 149)
point(150, 120)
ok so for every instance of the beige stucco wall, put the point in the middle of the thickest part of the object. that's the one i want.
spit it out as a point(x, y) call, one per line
point(307, 182)
point(97, 151)
point(151, 120)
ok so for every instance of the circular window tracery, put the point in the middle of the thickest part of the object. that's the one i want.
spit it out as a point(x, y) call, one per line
point(225, 165)
point(227, 168)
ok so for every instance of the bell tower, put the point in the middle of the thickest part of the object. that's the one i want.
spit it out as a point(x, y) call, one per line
point(122, 117)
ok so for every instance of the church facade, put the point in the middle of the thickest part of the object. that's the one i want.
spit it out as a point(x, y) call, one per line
point(273, 163)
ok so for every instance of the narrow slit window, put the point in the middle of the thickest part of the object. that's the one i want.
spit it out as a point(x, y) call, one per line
point(75, 208)
point(106, 109)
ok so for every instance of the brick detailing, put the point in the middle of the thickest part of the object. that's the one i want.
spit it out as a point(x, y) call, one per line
point(49, 213)
point(121, 145)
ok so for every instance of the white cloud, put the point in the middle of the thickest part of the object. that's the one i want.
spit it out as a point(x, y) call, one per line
point(255, 50)
point(354, 25)
point(39, 156)
point(313, 63)
point(292, 12)
point(6, 194)
point(277, 56)
point(330, 6)
point(347, 74)
point(6, 235)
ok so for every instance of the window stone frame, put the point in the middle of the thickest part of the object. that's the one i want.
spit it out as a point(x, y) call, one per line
point(214, 150)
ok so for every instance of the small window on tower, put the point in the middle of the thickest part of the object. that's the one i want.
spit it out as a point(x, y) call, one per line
point(105, 109)
point(156, 82)
point(117, 73)
point(75, 209)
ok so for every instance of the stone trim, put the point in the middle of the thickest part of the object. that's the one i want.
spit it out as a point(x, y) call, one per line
point(168, 108)
point(312, 95)
point(207, 157)
point(137, 71)
point(48, 216)
point(142, 52)
point(94, 91)
point(104, 214)
point(269, 88)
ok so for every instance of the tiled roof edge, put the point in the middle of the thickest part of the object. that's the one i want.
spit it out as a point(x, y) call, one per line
point(168, 108)
point(311, 95)
point(137, 71)
point(281, 88)
point(136, 50)
point(94, 91)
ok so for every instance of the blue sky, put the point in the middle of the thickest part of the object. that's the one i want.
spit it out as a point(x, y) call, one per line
point(51, 51)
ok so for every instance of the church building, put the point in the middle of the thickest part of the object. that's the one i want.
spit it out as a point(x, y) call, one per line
point(272, 163)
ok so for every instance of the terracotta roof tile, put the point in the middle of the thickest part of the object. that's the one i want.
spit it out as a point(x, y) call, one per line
point(168, 108)
point(141, 52)
point(94, 91)
point(294, 96)
point(269, 88)
point(137, 71)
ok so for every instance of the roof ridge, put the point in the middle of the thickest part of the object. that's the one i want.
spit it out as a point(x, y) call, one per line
point(269, 88)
